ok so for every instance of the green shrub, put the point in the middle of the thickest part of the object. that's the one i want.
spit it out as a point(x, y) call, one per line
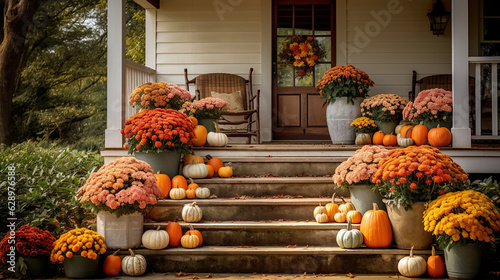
point(489, 187)
point(47, 177)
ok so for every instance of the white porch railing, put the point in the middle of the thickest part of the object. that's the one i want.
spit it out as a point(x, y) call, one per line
point(486, 97)
point(135, 75)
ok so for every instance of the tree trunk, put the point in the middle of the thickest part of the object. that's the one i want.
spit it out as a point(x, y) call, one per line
point(17, 18)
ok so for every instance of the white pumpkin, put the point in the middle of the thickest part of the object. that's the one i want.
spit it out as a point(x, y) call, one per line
point(349, 238)
point(217, 139)
point(191, 213)
point(177, 193)
point(202, 192)
point(190, 241)
point(412, 266)
point(319, 210)
point(155, 239)
point(404, 142)
point(321, 218)
point(134, 265)
point(197, 170)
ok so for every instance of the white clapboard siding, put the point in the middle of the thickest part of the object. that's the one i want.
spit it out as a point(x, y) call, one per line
point(202, 37)
point(388, 50)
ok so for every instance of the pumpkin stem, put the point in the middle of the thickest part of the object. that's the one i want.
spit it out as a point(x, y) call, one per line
point(175, 219)
point(116, 252)
point(191, 180)
point(375, 206)
point(349, 224)
point(333, 198)
point(191, 227)
point(209, 157)
point(411, 252)
point(433, 251)
point(131, 252)
point(158, 228)
point(217, 130)
point(343, 200)
point(193, 204)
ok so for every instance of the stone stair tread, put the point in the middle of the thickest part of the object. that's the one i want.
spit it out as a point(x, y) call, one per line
point(246, 201)
point(287, 159)
point(267, 180)
point(277, 250)
point(258, 225)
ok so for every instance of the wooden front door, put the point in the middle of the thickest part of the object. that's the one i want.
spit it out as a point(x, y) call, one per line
point(298, 112)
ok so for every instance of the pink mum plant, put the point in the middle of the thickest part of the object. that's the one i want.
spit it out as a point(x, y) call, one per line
point(430, 105)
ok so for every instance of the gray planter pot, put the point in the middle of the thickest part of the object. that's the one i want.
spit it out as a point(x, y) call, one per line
point(339, 117)
point(363, 197)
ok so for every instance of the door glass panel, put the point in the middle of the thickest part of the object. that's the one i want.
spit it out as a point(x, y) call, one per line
point(491, 7)
point(326, 44)
point(491, 30)
point(303, 20)
point(285, 19)
point(285, 75)
point(322, 20)
point(320, 70)
point(304, 81)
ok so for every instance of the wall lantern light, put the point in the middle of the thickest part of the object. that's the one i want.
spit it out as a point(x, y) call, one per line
point(439, 18)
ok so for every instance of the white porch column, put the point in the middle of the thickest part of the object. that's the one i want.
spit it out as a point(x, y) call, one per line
point(116, 73)
point(460, 73)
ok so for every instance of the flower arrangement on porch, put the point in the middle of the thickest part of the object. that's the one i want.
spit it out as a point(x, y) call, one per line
point(417, 174)
point(343, 81)
point(123, 186)
point(462, 217)
point(158, 130)
point(30, 242)
point(360, 167)
point(80, 241)
point(209, 108)
point(302, 52)
point(430, 105)
point(159, 95)
point(364, 125)
point(384, 107)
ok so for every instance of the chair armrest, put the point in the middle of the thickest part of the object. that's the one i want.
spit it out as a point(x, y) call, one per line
point(255, 98)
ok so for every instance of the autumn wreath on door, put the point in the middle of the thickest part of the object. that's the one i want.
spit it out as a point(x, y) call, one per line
point(302, 52)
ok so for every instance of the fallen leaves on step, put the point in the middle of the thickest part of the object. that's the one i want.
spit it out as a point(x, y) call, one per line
point(196, 277)
point(208, 276)
point(180, 274)
point(350, 275)
point(292, 246)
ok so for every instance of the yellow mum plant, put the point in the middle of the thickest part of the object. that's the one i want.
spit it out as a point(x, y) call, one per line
point(80, 241)
point(462, 217)
point(364, 125)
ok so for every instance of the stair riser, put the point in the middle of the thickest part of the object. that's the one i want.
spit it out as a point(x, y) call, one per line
point(269, 189)
point(284, 168)
point(279, 264)
point(237, 212)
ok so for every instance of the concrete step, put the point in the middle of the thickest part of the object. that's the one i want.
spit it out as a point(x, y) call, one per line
point(272, 186)
point(264, 233)
point(244, 209)
point(276, 259)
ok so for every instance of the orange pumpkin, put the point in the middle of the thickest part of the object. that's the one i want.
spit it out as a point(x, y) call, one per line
point(216, 163)
point(355, 216)
point(435, 265)
point(163, 182)
point(193, 120)
point(378, 138)
point(439, 137)
point(376, 228)
point(179, 182)
point(332, 209)
point(419, 134)
point(193, 231)
point(390, 140)
point(192, 159)
point(211, 171)
point(406, 131)
point(226, 171)
point(112, 265)
point(192, 185)
point(174, 231)
point(191, 193)
point(200, 133)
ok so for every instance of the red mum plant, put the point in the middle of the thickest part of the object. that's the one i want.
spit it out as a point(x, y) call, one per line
point(158, 130)
point(123, 186)
point(417, 174)
point(29, 242)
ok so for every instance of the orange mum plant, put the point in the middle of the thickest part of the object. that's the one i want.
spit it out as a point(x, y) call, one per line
point(80, 241)
point(343, 81)
point(158, 130)
point(417, 174)
point(159, 95)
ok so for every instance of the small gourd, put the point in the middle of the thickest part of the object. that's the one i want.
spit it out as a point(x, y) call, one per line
point(195, 232)
point(349, 238)
point(191, 213)
point(226, 171)
point(363, 139)
point(190, 193)
point(134, 265)
point(332, 208)
point(412, 266)
point(217, 139)
point(155, 239)
point(321, 218)
point(319, 210)
point(355, 216)
point(190, 241)
point(435, 265)
point(202, 192)
point(340, 217)
point(177, 193)
point(404, 142)
point(196, 170)
point(346, 206)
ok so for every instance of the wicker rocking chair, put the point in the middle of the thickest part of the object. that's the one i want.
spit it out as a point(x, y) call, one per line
point(243, 118)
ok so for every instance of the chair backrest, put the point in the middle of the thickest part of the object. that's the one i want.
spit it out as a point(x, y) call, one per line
point(443, 81)
point(222, 84)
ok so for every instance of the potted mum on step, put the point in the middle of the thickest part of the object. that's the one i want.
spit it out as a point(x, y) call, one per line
point(120, 192)
point(342, 88)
